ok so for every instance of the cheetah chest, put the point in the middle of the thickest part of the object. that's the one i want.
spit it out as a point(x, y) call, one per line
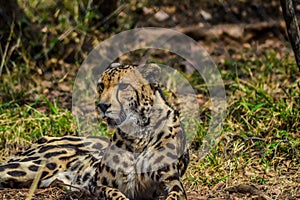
point(134, 174)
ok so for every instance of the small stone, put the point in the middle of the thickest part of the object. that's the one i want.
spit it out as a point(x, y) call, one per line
point(161, 16)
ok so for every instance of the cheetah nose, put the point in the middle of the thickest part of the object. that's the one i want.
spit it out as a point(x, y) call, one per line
point(104, 106)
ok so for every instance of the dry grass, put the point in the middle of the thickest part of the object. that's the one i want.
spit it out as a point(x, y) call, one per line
point(260, 141)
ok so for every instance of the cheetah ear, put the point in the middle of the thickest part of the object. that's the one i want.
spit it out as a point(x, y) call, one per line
point(151, 72)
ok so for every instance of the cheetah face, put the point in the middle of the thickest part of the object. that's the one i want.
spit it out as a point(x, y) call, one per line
point(126, 95)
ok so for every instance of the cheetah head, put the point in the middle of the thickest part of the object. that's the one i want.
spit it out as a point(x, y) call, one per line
point(126, 95)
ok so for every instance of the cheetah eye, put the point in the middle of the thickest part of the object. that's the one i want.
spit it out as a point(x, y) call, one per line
point(123, 86)
point(100, 87)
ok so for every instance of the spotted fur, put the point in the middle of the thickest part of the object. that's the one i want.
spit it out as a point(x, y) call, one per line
point(144, 159)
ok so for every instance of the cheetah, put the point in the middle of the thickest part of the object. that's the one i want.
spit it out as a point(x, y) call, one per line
point(144, 159)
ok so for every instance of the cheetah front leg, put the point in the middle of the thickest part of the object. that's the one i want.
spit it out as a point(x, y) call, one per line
point(175, 190)
point(170, 181)
point(108, 193)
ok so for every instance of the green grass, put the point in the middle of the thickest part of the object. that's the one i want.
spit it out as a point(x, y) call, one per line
point(261, 132)
point(23, 124)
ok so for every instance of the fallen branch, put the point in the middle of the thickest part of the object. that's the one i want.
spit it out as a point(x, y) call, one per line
point(236, 31)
